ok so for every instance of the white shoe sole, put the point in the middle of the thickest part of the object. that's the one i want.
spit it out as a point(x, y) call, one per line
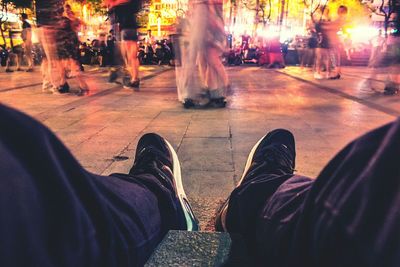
point(189, 215)
point(224, 209)
point(250, 159)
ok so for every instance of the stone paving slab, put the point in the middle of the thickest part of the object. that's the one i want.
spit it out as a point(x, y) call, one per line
point(206, 154)
point(180, 248)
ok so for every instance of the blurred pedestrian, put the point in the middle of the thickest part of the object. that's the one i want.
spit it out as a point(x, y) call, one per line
point(26, 36)
point(67, 49)
point(322, 60)
point(335, 43)
point(122, 15)
point(48, 16)
point(384, 64)
point(206, 42)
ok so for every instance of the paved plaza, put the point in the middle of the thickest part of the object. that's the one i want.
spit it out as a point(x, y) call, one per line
point(102, 129)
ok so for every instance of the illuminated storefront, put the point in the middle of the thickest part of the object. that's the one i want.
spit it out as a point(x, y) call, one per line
point(163, 14)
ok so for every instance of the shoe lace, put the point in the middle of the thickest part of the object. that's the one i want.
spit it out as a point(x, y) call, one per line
point(151, 161)
point(275, 158)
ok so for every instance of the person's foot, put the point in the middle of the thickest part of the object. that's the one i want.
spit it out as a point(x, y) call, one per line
point(218, 102)
point(47, 87)
point(29, 70)
point(275, 153)
point(132, 85)
point(63, 89)
point(156, 155)
point(8, 70)
point(391, 89)
point(188, 103)
point(336, 77)
point(18, 69)
point(82, 91)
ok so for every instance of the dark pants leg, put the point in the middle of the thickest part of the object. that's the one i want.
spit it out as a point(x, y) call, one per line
point(55, 213)
point(348, 216)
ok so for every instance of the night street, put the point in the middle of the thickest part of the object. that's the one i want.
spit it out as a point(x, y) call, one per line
point(103, 128)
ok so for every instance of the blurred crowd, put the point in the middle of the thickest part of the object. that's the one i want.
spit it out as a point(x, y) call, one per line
point(325, 48)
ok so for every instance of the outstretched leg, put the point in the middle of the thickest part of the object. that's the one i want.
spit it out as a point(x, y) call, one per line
point(55, 211)
point(348, 216)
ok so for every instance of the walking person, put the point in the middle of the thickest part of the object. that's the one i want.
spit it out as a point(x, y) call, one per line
point(26, 36)
point(385, 63)
point(122, 15)
point(206, 42)
point(214, 77)
point(336, 45)
point(67, 49)
point(48, 15)
point(322, 60)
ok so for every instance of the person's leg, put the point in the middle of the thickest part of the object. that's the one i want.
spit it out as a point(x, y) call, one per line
point(28, 55)
point(78, 74)
point(55, 213)
point(348, 216)
point(47, 39)
point(335, 72)
point(216, 78)
point(47, 87)
point(203, 70)
point(18, 60)
point(214, 59)
point(270, 163)
point(131, 49)
point(8, 62)
point(318, 62)
point(130, 53)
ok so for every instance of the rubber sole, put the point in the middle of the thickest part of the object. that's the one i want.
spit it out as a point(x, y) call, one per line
point(220, 222)
point(191, 221)
point(250, 159)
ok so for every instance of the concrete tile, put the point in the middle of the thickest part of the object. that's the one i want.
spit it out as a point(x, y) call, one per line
point(208, 128)
point(207, 183)
point(206, 154)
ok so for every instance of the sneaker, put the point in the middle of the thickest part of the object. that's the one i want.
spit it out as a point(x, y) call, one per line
point(156, 155)
point(132, 85)
point(218, 102)
point(274, 152)
point(336, 77)
point(390, 89)
point(63, 89)
point(8, 70)
point(188, 103)
point(29, 70)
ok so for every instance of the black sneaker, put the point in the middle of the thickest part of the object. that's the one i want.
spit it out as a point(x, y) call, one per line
point(155, 155)
point(218, 102)
point(275, 152)
point(188, 103)
point(132, 85)
point(63, 89)
point(391, 89)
